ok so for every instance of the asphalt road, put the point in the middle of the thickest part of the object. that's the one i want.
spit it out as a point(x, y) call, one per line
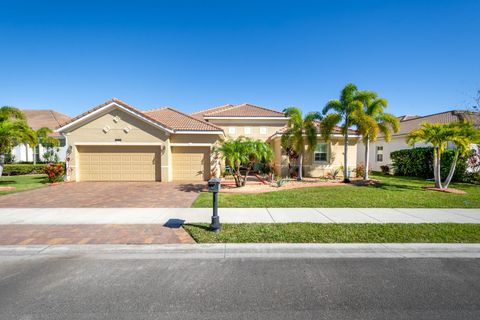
point(104, 287)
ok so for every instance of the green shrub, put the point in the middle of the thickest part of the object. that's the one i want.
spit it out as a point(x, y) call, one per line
point(21, 169)
point(418, 162)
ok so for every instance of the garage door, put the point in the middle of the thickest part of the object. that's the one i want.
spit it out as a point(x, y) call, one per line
point(191, 163)
point(112, 163)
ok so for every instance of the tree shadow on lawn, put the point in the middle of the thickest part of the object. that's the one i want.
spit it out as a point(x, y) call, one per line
point(6, 182)
point(199, 226)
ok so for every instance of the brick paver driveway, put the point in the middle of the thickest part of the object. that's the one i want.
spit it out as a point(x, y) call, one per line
point(107, 195)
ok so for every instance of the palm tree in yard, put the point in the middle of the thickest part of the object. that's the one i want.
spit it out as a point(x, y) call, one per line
point(301, 132)
point(13, 130)
point(44, 139)
point(463, 135)
point(345, 112)
point(438, 135)
point(385, 123)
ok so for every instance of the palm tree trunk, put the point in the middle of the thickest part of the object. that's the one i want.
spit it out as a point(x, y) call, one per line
point(436, 168)
point(367, 158)
point(300, 166)
point(34, 152)
point(345, 158)
point(452, 171)
point(2, 162)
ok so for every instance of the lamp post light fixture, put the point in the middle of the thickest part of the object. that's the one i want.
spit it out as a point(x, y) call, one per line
point(214, 187)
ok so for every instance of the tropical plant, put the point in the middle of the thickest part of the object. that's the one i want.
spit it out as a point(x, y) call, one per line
point(54, 172)
point(301, 132)
point(463, 135)
point(347, 111)
point(13, 130)
point(375, 121)
point(438, 135)
point(50, 143)
point(243, 153)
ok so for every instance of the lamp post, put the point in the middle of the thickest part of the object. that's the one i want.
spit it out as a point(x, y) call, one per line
point(214, 187)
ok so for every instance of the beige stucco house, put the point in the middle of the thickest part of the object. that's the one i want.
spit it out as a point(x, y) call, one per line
point(117, 142)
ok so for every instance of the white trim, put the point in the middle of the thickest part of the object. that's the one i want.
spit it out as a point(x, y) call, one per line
point(198, 132)
point(278, 135)
point(118, 143)
point(89, 115)
point(246, 118)
point(191, 144)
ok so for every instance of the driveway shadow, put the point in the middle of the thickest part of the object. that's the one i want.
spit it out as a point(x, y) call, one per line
point(191, 187)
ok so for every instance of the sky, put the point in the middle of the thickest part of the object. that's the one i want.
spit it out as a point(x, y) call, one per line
point(422, 56)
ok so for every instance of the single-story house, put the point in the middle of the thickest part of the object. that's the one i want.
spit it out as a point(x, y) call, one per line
point(37, 119)
point(379, 152)
point(118, 142)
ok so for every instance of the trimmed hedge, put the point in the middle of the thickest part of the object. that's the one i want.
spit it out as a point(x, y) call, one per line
point(21, 169)
point(418, 162)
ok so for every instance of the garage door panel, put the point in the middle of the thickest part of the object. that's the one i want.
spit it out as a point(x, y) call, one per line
point(109, 163)
point(191, 163)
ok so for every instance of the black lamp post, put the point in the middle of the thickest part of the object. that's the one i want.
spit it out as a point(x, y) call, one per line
point(214, 187)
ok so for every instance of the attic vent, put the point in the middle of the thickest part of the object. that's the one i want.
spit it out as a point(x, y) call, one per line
point(126, 129)
point(116, 119)
point(106, 129)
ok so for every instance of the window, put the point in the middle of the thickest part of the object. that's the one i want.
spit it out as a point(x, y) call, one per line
point(379, 153)
point(231, 130)
point(320, 153)
point(247, 130)
point(263, 130)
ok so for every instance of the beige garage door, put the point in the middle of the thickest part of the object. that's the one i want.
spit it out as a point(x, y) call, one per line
point(191, 163)
point(112, 163)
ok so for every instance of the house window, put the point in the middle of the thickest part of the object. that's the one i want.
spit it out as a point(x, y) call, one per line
point(231, 130)
point(379, 153)
point(247, 130)
point(263, 130)
point(320, 153)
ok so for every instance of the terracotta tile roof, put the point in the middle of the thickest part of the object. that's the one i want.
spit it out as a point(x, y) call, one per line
point(443, 117)
point(166, 117)
point(45, 118)
point(239, 110)
point(180, 121)
point(336, 130)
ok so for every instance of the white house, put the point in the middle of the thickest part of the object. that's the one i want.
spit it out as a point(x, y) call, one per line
point(38, 119)
point(380, 150)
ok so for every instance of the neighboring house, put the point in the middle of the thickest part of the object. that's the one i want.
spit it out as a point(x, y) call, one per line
point(380, 150)
point(39, 119)
point(117, 142)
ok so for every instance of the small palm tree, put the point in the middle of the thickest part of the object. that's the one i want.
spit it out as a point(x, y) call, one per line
point(44, 139)
point(438, 135)
point(301, 132)
point(244, 152)
point(13, 130)
point(376, 120)
point(347, 112)
point(463, 135)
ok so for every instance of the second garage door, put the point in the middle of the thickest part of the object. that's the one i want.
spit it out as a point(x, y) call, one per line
point(119, 163)
point(191, 163)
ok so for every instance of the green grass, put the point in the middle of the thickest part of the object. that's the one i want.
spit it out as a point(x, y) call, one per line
point(393, 192)
point(22, 183)
point(337, 233)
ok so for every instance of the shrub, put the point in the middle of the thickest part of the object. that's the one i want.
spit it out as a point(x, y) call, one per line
point(55, 172)
point(385, 169)
point(360, 170)
point(21, 169)
point(418, 162)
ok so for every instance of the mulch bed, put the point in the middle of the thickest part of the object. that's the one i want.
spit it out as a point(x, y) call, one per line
point(7, 188)
point(449, 190)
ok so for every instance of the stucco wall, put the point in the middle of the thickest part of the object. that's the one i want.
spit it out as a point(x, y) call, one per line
point(271, 127)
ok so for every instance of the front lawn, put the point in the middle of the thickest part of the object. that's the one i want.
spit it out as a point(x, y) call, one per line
point(22, 183)
point(392, 192)
point(337, 233)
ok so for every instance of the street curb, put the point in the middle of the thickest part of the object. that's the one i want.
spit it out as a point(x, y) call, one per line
point(249, 250)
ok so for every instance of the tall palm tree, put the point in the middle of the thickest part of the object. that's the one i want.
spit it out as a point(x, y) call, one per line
point(301, 132)
point(345, 112)
point(385, 123)
point(463, 135)
point(438, 135)
point(44, 139)
point(13, 130)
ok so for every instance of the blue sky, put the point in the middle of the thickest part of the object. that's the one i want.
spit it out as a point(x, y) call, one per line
point(423, 56)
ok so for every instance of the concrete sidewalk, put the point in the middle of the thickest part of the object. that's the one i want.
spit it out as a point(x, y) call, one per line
point(234, 215)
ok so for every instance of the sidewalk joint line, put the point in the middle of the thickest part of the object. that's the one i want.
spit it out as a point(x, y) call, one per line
point(324, 215)
point(268, 211)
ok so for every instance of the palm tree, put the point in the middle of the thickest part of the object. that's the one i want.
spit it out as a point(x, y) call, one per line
point(347, 112)
point(13, 130)
point(463, 135)
point(44, 139)
point(373, 107)
point(244, 152)
point(300, 132)
point(438, 135)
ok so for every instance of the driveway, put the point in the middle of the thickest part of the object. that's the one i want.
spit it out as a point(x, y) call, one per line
point(107, 195)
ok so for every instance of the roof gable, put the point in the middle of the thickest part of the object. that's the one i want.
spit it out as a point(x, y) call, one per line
point(244, 110)
point(180, 121)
